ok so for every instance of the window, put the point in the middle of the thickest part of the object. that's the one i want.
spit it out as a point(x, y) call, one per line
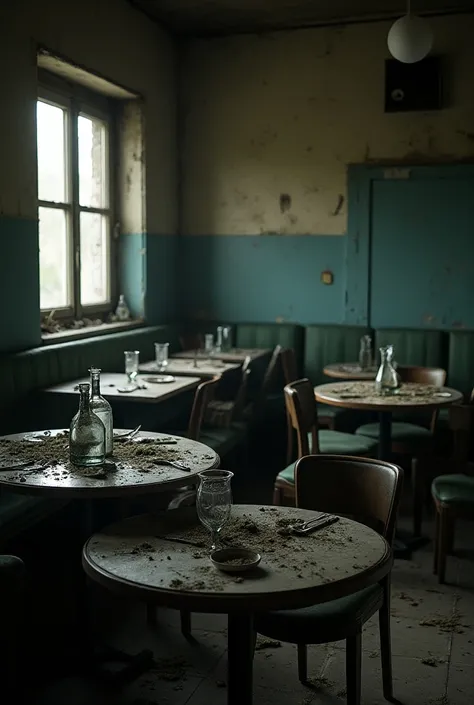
point(74, 203)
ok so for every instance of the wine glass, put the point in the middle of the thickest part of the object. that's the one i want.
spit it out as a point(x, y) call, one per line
point(214, 501)
point(131, 364)
point(161, 356)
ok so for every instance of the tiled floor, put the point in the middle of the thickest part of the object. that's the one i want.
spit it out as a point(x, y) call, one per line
point(432, 646)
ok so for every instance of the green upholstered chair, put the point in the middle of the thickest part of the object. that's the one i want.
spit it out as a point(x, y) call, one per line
point(367, 491)
point(12, 588)
point(453, 494)
point(303, 417)
point(461, 361)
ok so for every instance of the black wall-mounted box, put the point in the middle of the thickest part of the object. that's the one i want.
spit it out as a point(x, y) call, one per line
point(410, 87)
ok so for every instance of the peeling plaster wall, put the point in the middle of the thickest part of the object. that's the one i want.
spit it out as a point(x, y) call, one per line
point(283, 114)
point(119, 43)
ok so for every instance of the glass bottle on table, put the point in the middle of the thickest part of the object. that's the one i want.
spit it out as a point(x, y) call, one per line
point(365, 354)
point(102, 409)
point(86, 433)
point(161, 356)
point(132, 361)
point(387, 380)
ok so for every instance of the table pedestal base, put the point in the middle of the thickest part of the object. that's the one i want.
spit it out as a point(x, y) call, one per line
point(241, 644)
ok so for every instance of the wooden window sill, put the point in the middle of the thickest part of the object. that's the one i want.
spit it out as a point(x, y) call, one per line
point(70, 334)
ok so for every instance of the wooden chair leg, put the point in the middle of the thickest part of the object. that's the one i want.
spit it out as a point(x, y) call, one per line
point(436, 543)
point(303, 663)
point(418, 488)
point(185, 623)
point(353, 668)
point(386, 645)
point(442, 543)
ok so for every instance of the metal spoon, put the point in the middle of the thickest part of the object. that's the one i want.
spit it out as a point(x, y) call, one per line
point(174, 464)
point(127, 434)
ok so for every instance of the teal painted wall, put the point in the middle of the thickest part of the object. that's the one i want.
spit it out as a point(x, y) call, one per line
point(262, 278)
point(19, 277)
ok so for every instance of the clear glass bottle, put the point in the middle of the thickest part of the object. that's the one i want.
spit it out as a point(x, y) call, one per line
point(365, 354)
point(86, 433)
point(122, 311)
point(102, 409)
point(219, 337)
point(387, 380)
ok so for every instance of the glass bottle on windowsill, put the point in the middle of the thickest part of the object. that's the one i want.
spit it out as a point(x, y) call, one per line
point(86, 433)
point(102, 409)
point(122, 312)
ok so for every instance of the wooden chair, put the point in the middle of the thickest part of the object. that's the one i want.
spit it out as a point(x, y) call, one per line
point(368, 491)
point(191, 341)
point(203, 397)
point(453, 494)
point(409, 438)
point(303, 417)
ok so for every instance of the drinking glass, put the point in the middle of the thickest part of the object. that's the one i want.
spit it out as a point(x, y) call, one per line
point(214, 501)
point(226, 338)
point(365, 354)
point(161, 356)
point(131, 364)
point(208, 343)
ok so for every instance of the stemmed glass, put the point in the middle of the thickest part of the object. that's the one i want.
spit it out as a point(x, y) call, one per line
point(214, 501)
point(131, 364)
point(161, 356)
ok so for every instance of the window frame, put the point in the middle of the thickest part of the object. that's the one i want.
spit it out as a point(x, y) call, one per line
point(77, 100)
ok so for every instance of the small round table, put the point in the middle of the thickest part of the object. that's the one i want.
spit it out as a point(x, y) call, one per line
point(361, 395)
point(164, 559)
point(349, 370)
point(124, 476)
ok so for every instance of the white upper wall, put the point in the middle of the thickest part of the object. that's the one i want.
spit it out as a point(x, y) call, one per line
point(112, 39)
point(285, 113)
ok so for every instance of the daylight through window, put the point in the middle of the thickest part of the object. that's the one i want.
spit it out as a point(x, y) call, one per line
point(74, 206)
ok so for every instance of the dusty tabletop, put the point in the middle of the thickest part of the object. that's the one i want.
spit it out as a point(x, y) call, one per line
point(409, 394)
point(135, 462)
point(170, 551)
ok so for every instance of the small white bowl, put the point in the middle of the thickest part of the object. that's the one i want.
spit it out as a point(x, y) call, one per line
point(235, 560)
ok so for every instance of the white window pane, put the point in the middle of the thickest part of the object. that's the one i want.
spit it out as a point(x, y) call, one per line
point(92, 134)
point(51, 139)
point(54, 259)
point(94, 259)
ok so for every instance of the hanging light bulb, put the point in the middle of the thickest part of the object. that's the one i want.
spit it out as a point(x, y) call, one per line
point(410, 38)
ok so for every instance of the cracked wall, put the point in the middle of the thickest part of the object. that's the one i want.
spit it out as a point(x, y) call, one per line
point(282, 115)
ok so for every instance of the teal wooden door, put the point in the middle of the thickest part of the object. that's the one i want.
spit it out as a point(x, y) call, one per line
point(421, 270)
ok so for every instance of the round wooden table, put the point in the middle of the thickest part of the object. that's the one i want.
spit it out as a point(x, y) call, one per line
point(349, 370)
point(123, 476)
point(362, 395)
point(164, 560)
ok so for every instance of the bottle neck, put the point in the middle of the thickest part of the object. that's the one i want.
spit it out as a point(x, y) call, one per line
point(95, 384)
point(84, 402)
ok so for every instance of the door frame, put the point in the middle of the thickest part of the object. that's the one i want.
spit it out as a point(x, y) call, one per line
point(360, 180)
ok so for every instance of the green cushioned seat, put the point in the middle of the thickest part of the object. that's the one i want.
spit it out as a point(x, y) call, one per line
point(426, 348)
point(329, 621)
point(336, 443)
point(458, 489)
point(325, 345)
point(401, 433)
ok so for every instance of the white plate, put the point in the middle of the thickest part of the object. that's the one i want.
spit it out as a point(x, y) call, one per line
point(162, 379)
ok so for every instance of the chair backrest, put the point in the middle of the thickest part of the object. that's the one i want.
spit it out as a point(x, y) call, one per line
point(302, 414)
point(203, 395)
point(241, 396)
point(268, 380)
point(289, 366)
point(359, 488)
point(461, 423)
point(191, 341)
point(435, 376)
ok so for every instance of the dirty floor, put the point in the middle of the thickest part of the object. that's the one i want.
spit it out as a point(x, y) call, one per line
point(432, 646)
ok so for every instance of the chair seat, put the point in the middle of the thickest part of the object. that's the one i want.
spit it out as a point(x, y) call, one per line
point(402, 432)
point(329, 621)
point(454, 489)
point(335, 443)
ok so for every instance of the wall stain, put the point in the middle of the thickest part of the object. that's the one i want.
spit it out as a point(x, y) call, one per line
point(340, 203)
point(293, 219)
point(285, 202)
